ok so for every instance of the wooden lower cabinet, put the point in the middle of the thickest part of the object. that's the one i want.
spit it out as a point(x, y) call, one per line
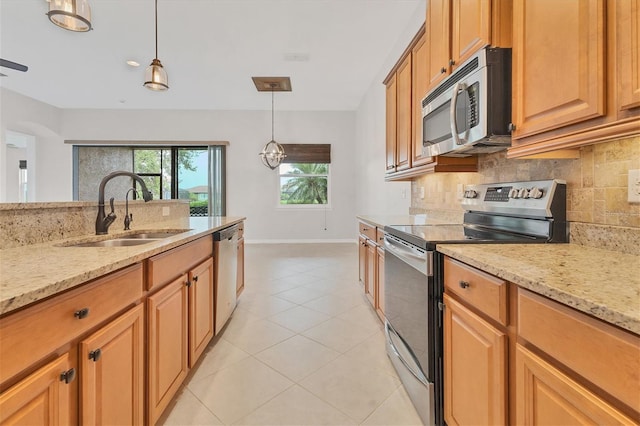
point(167, 328)
point(371, 273)
point(362, 259)
point(475, 368)
point(201, 308)
point(545, 395)
point(42, 398)
point(380, 272)
point(112, 372)
point(240, 277)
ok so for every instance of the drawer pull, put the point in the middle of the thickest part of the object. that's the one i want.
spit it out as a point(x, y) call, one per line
point(195, 279)
point(82, 313)
point(95, 355)
point(464, 284)
point(68, 376)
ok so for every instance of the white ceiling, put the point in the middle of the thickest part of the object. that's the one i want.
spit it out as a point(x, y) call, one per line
point(210, 49)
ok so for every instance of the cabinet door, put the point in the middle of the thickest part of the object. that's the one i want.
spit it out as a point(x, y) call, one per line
point(40, 399)
point(558, 63)
point(545, 395)
point(362, 260)
point(470, 29)
point(240, 285)
point(628, 53)
point(370, 280)
point(112, 362)
point(438, 34)
point(391, 124)
point(475, 368)
point(404, 112)
point(167, 345)
point(419, 88)
point(200, 309)
point(380, 278)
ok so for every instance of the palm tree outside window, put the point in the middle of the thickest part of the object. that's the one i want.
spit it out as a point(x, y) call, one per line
point(304, 184)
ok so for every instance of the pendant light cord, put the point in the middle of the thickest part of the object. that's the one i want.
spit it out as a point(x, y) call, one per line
point(156, 29)
point(272, 115)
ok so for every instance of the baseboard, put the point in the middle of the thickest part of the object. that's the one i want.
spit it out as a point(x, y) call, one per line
point(320, 241)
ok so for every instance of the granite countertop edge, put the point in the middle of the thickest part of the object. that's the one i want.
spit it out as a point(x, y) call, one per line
point(571, 274)
point(53, 267)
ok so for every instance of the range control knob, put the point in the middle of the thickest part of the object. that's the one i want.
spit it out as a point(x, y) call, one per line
point(536, 192)
point(523, 193)
point(513, 193)
point(470, 193)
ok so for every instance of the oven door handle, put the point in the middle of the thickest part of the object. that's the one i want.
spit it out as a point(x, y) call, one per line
point(453, 119)
point(417, 375)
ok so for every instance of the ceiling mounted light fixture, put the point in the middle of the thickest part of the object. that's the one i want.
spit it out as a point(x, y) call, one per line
point(273, 153)
point(72, 15)
point(155, 77)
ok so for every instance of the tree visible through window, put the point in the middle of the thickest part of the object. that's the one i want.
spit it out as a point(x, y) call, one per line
point(304, 184)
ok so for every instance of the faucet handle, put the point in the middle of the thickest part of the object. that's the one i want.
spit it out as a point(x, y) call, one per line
point(111, 204)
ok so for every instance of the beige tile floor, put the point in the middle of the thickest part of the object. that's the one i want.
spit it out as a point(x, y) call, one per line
point(303, 347)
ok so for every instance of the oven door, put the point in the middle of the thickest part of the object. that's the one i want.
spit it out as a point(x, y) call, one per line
point(410, 306)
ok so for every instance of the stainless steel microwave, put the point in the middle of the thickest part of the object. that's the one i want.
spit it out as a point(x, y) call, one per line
point(470, 111)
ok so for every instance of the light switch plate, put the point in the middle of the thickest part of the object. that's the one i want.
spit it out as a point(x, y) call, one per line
point(633, 189)
point(165, 211)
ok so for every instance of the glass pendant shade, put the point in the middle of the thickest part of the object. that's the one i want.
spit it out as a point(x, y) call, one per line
point(72, 15)
point(155, 77)
point(272, 154)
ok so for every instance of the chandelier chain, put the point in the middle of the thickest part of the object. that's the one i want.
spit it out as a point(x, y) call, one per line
point(272, 121)
point(156, 29)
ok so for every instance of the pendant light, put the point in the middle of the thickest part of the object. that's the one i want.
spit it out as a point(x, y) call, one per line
point(155, 77)
point(273, 153)
point(72, 15)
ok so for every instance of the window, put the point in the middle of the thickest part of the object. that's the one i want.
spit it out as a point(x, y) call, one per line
point(304, 176)
point(194, 173)
point(304, 184)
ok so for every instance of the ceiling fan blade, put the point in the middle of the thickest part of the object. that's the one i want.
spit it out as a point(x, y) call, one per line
point(13, 65)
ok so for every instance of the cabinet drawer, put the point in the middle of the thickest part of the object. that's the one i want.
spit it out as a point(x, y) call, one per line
point(168, 266)
point(37, 331)
point(480, 290)
point(613, 361)
point(367, 230)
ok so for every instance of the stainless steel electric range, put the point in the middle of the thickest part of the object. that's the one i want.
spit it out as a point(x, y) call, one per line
point(513, 212)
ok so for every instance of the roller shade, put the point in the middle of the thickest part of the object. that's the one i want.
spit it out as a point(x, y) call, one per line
point(307, 153)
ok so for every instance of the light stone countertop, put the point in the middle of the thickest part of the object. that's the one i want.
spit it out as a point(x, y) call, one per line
point(34, 272)
point(602, 283)
point(381, 221)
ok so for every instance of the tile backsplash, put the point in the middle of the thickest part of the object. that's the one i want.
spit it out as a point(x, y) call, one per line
point(596, 182)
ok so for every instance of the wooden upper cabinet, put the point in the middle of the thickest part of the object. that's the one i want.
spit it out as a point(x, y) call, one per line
point(404, 132)
point(470, 29)
point(391, 110)
point(457, 29)
point(438, 34)
point(559, 63)
point(628, 53)
point(419, 83)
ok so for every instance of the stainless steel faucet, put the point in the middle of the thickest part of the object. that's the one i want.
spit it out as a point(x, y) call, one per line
point(103, 221)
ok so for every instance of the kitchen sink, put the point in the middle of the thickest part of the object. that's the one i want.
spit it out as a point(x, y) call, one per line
point(117, 242)
point(156, 235)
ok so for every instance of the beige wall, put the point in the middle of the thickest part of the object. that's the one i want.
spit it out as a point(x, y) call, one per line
point(596, 182)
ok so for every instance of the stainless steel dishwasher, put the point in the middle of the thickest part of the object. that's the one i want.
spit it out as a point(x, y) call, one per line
point(226, 259)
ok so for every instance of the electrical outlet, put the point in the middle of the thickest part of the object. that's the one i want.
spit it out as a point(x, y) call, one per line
point(633, 188)
point(165, 211)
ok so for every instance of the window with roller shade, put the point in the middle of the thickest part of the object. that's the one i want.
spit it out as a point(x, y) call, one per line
point(304, 179)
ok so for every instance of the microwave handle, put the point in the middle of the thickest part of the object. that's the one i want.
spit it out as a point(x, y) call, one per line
point(452, 112)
